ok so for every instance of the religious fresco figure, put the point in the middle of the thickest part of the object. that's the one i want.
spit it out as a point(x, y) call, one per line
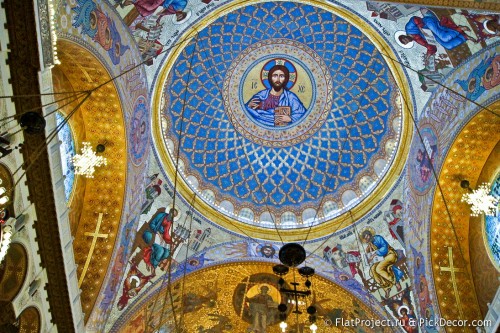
point(407, 320)
point(485, 76)
point(425, 159)
point(95, 23)
point(160, 223)
point(152, 192)
point(445, 31)
point(393, 218)
point(384, 272)
point(133, 284)
point(276, 106)
point(488, 25)
point(261, 310)
point(148, 7)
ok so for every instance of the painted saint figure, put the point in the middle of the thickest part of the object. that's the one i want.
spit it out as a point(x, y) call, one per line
point(445, 31)
point(148, 7)
point(276, 106)
point(383, 272)
point(132, 285)
point(260, 310)
point(425, 160)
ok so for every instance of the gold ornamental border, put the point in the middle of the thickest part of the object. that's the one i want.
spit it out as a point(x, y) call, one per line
point(327, 227)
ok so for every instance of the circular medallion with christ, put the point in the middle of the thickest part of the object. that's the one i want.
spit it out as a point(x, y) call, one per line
point(277, 93)
point(281, 114)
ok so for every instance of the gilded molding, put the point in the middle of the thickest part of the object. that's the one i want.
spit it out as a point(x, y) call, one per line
point(492, 5)
point(45, 34)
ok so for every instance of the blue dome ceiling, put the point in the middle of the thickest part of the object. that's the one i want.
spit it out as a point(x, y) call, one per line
point(328, 160)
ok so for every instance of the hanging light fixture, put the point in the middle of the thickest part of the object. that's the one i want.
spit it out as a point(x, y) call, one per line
point(480, 199)
point(3, 198)
point(86, 162)
point(291, 255)
point(5, 236)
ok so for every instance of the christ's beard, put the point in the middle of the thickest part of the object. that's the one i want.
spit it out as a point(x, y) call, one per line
point(277, 87)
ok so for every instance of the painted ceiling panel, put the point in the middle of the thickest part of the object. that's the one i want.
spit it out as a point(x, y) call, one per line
point(247, 173)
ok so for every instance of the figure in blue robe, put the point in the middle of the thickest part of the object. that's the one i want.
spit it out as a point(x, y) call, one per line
point(267, 116)
point(276, 106)
point(384, 272)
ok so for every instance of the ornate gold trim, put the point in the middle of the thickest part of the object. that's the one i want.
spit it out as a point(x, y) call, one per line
point(324, 228)
point(485, 4)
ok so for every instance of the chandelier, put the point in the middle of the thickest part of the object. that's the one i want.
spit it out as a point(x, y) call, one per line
point(3, 197)
point(5, 236)
point(86, 162)
point(291, 255)
point(480, 199)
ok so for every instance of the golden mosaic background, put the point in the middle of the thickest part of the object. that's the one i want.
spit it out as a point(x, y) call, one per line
point(465, 160)
point(208, 301)
point(29, 321)
point(13, 271)
point(103, 122)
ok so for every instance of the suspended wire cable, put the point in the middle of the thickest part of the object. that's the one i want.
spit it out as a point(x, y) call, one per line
point(169, 272)
point(49, 138)
point(348, 130)
point(32, 159)
point(185, 259)
point(181, 136)
point(250, 165)
point(45, 94)
point(440, 84)
point(19, 115)
point(438, 185)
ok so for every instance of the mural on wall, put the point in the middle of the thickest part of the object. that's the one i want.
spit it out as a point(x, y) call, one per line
point(433, 41)
point(96, 27)
point(164, 234)
point(426, 308)
point(371, 258)
point(447, 111)
point(242, 297)
point(277, 100)
point(422, 160)
point(482, 78)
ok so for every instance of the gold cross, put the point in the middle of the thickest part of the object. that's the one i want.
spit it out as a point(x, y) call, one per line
point(95, 235)
point(452, 271)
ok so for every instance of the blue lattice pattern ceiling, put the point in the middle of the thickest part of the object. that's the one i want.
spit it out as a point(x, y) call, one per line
point(278, 179)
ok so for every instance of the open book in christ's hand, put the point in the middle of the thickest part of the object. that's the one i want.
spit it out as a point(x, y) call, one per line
point(281, 111)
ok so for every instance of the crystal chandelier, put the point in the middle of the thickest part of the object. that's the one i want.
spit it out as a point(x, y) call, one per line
point(3, 198)
point(86, 162)
point(5, 235)
point(480, 199)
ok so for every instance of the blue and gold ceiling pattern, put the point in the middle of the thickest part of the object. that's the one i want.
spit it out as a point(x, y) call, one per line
point(334, 154)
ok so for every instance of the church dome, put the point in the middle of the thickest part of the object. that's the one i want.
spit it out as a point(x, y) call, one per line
point(325, 147)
